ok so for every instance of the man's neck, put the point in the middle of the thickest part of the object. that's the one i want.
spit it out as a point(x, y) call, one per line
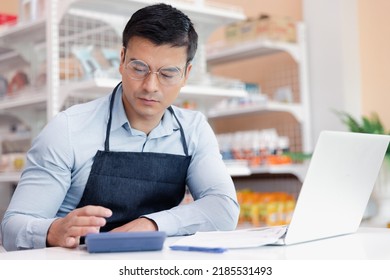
point(145, 125)
point(142, 122)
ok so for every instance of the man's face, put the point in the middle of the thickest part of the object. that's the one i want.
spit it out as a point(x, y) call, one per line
point(147, 99)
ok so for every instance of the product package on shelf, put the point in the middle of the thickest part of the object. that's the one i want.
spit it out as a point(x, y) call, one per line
point(254, 99)
point(15, 141)
point(276, 28)
point(265, 26)
point(258, 147)
point(12, 162)
point(3, 86)
point(14, 82)
point(84, 55)
point(7, 20)
point(18, 82)
point(210, 80)
point(187, 104)
point(70, 69)
point(238, 103)
point(31, 10)
point(265, 208)
point(86, 62)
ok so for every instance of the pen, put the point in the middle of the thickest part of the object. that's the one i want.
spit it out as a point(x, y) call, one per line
point(198, 249)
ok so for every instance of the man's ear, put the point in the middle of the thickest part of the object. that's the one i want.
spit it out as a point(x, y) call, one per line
point(187, 73)
point(123, 54)
point(122, 62)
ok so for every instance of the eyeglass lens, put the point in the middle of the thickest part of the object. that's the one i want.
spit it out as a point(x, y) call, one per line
point(167, 75)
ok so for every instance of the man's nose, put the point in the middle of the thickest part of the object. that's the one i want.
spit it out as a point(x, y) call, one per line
point(151, 82)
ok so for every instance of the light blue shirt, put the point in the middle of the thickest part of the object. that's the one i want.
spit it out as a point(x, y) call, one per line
point(60, 160)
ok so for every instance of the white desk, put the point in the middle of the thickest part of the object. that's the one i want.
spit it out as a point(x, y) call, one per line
point(366, 244)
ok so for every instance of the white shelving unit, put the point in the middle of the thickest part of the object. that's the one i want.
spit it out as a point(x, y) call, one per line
point(30, 98)
point(261, 47)
point(10, 177)
point(295, 109)
point(46, 34)
point(256, 47)
point(298, 170)
point(241, 168)
point(238, 168)
point(67, 22)
point(204, 95)
point(205, 17)
point(301, 111)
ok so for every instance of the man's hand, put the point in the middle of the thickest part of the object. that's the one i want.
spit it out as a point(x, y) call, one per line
point(140, 224)
point(66, 232)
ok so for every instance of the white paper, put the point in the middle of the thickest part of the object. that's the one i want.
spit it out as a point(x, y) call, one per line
point(236, 239)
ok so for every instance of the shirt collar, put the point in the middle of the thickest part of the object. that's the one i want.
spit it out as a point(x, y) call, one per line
point(167, 125)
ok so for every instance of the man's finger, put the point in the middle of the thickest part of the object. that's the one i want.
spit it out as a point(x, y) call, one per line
point(87, 221)
point(92, 210)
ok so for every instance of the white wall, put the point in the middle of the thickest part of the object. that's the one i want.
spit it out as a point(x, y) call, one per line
point(374, 52)
point(334, 68)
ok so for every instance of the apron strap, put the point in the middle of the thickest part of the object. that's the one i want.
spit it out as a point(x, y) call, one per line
point(107, 141)
point(183, 138)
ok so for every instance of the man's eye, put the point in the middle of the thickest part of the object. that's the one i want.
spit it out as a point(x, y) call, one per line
point(140, 70)
point(169, 73)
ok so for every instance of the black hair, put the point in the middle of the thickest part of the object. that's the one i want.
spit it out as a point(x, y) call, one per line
point(162, 24)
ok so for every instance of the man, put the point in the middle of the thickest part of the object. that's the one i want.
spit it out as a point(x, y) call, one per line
point(122, 162)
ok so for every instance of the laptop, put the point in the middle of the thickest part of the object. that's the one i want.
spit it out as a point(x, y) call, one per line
point(337, 186)
point(334, 195)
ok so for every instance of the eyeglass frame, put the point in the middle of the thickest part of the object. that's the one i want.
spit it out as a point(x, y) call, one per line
point(158, 73)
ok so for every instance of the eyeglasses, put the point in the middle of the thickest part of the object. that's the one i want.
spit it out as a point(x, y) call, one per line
point(167, 75)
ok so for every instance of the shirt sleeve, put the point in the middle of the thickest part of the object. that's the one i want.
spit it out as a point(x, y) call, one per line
point(41, 189)
point(215, 204)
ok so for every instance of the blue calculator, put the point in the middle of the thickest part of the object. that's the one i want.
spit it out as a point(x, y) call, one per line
point(106, 242)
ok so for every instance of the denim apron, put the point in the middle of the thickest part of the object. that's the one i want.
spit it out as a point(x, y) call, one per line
point(133, 184)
